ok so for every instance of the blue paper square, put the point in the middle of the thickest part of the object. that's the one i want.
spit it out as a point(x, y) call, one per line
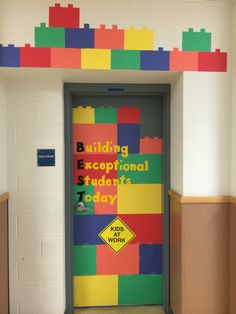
point(129, 135)
point(150, 259)
point(46, 157)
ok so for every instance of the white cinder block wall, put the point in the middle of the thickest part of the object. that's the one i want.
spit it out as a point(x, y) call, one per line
point(35, 120)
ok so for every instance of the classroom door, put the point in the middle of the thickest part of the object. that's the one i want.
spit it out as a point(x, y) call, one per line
point(117, 200)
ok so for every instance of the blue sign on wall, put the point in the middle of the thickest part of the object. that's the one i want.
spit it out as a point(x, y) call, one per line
point(46, 157)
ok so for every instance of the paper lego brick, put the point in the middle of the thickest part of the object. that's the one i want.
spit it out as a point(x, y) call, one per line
point(106, 38)
point(147, 227)
point(105, 115)
point(35, 57)
point(93, 172)
point(128, 115)
point(103, 207)
point(66, 58)
point(79, 37)
point(9, 56)
point(83, 115)
point(87, 228)
point(148, 168)
point(64, 16)
point(150, 261)
point(155, 60)
point(196, 41)
point(129, 135)
point(125, 59)
point(96, 59)
point(105, 135)
point(212, 61)
point(84, 260)
point(183, 60)
point(140, 289)
point(140, 199)
point(95, 290)
point(49, 37)
point(111, 263)
point(151, 145)
point(139, 39)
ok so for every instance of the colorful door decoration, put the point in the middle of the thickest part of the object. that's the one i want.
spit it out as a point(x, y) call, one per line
point(118, 208)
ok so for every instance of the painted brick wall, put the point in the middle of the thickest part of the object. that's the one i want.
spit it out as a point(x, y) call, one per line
point(35, 120)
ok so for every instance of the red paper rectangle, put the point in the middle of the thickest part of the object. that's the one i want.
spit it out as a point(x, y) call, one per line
point(151, 145)
point(94, 133)
point(35, 57)
point(65, 58)
point(102, 208)
point(128, 115)
point(125, 262)
point(109, 38)
point(183, 60)
point(66, 17)
point(212, 61)
point(92, 173)
point(148, 228)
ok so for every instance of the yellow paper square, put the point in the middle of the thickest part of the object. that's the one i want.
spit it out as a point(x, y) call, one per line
point(140, 199)
point(96, 59)
point(95, 290)
point(83, 115)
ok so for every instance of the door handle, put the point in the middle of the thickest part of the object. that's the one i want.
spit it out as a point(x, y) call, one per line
point(82, 207)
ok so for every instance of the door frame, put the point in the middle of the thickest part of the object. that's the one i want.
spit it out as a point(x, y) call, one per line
point(71, 89)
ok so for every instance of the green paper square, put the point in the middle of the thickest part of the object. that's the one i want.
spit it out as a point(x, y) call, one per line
point(105, 115)
point(49, 37)
point(88, 189)
point(154, 173)
point(125, 59)
point(84, 260)
point(140, 289)
point(196, 41)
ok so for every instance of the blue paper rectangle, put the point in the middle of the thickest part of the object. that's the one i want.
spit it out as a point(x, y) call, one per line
point(150, 259)
point(9, 56)
point(155, 60)
point(79, 37)
point(87, 228)
point(129, 135)
point(46, 157)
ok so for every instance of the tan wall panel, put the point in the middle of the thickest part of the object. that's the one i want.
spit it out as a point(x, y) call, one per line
point(233, 259)
point(205, 258)
point(175, 255)
point(3, 258)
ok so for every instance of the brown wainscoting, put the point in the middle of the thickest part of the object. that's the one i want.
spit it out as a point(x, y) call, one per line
point(4, 278)
point(200, 255)
point(233, 257)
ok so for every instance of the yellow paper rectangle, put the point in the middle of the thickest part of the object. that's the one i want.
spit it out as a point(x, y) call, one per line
point(95, 290)
point(140, 199)
point(83, 115)
point(139, 39)
point(96, 59)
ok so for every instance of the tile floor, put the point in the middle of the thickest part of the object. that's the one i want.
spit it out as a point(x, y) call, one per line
point(122, 310)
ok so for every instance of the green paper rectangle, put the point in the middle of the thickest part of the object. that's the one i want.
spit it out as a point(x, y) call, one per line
point(50, 37)
point(125, 59)
point(154, 173)
point(84, 260)
point(196, 41)
point(105, 115)
point(88, 189)
point(140, 289)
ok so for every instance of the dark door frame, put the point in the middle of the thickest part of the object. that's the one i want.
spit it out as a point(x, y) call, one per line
point(71, 89)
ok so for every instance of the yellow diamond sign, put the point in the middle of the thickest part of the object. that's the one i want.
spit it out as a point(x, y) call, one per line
point(117, 234)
